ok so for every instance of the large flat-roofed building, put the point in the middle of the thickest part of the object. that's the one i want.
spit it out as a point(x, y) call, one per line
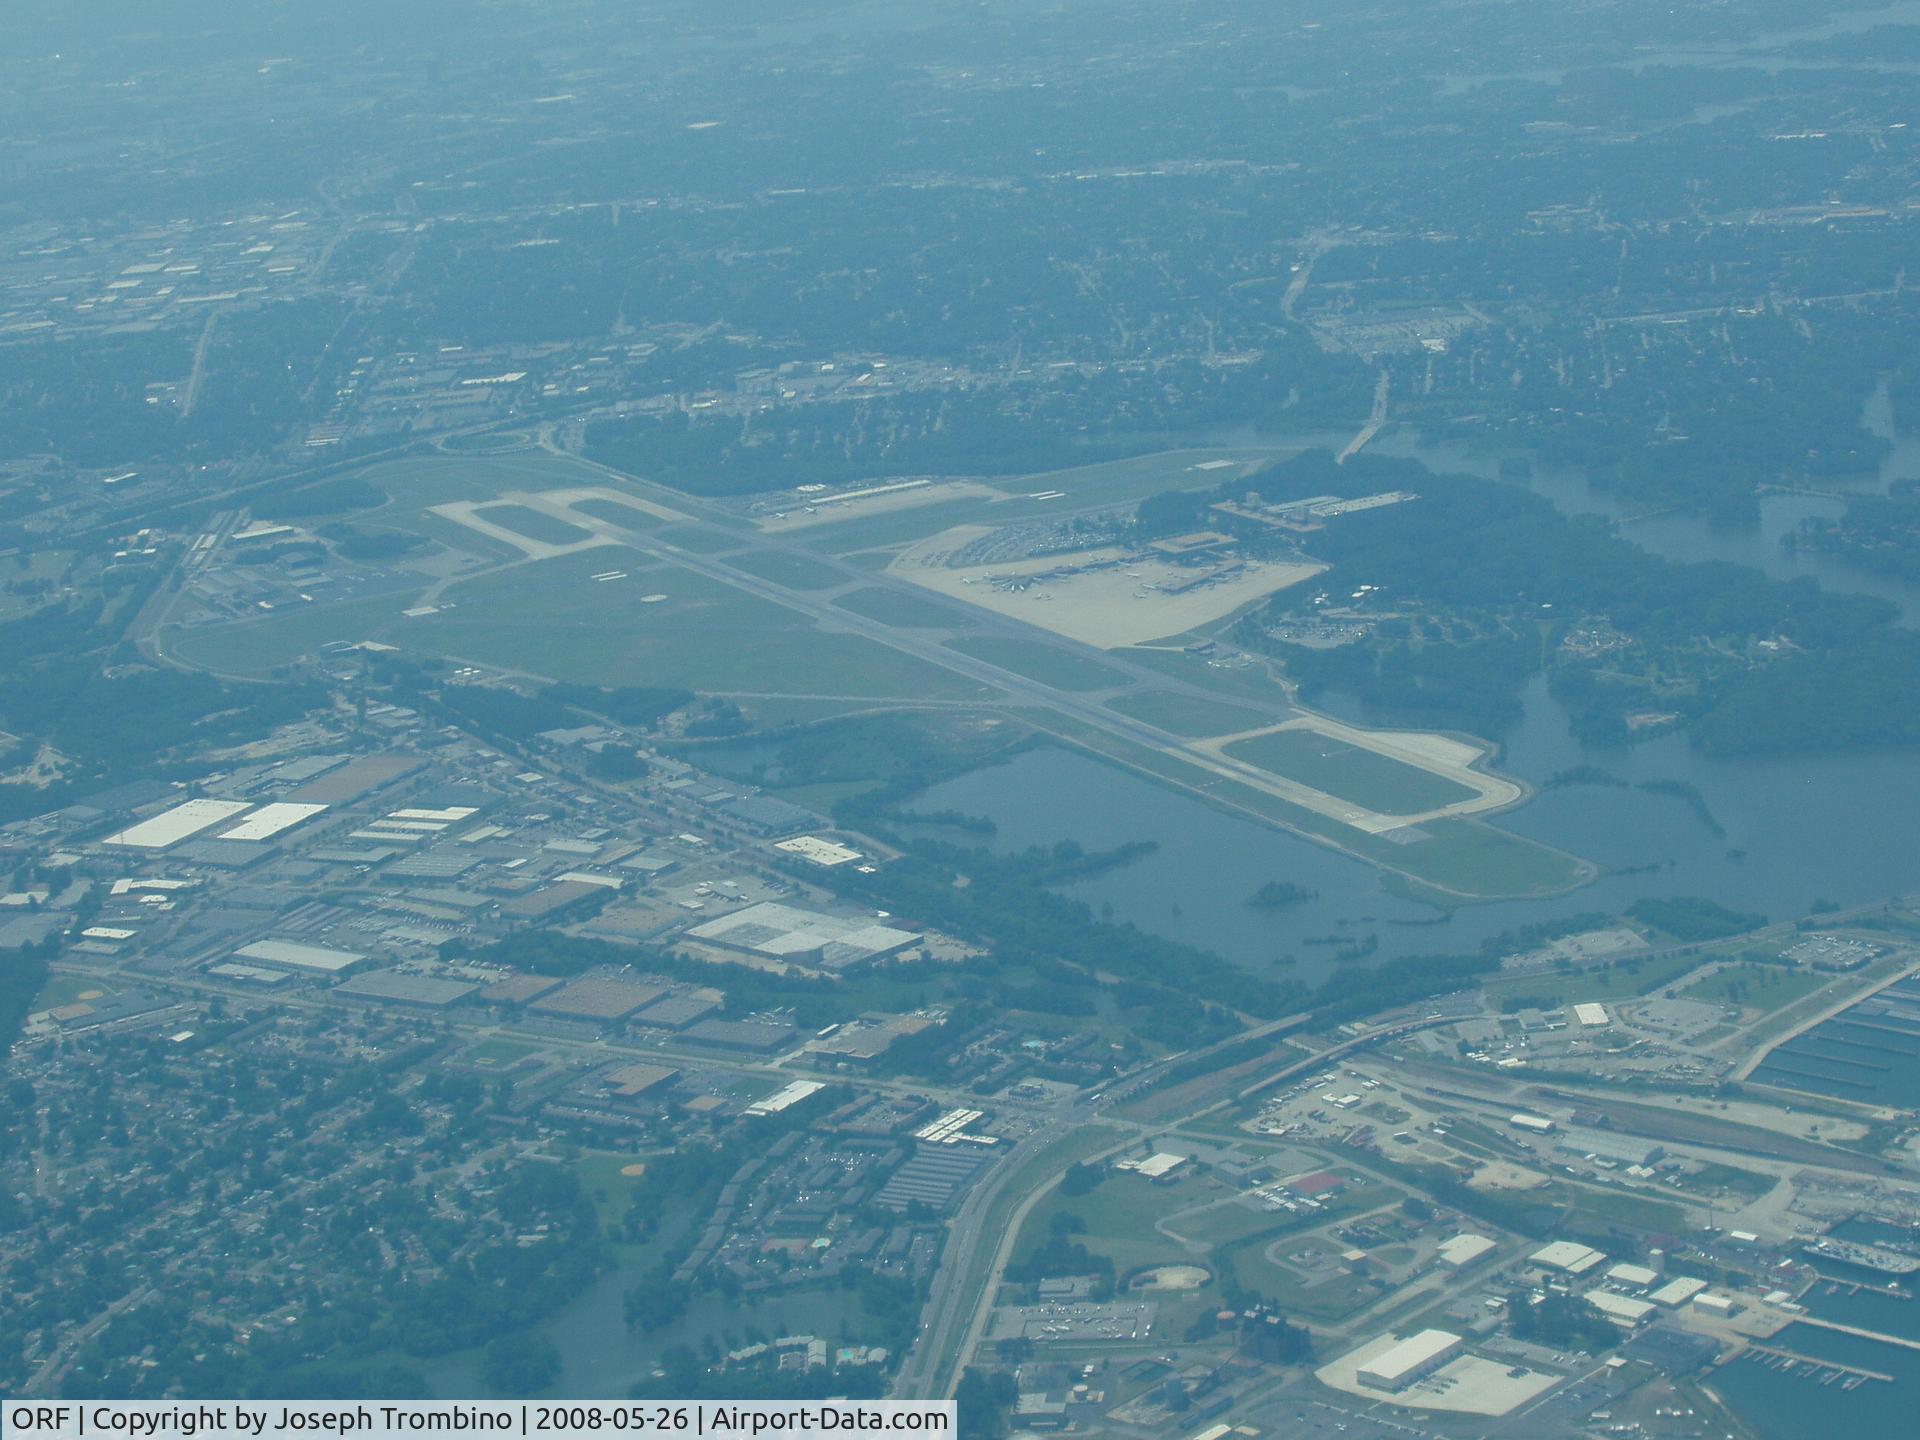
point(1463, 1250)
point(518, 989)
point(599, 998)
point(271, 820)
point(786, 1097)
point(768, 815)
point(674, 1012)
point(821, 852)
point(1678, 1291)
point(1566, 1256)
point(1409, 1359)
point(182, 822)
point(740, 1034)
point(632, 1081)
point(786, 932)
point(1636, 1276)
point(1621, 1309)
point(310, 959)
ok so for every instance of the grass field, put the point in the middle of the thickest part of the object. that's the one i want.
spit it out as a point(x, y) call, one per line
point(1331, 1299)
point(1244, 682)
point(417, 482)
point(1188, 715)
point(902, 608)
point(1610, 982)
point(1119, 1214)
point(66, 990)
point(535, 524)
point(1038, 661)
point(796, 572)
point(1757, 987)
point(698, 541)
point(1335, 767)
point(627, 517)
point(1616, 1207)
point(550, 619)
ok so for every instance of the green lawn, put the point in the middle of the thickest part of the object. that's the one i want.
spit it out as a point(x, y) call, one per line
point(1336, 767)
point(1609, 982)
point(615, 512)
point(67, 990)
point(697, 540)
point(1758, 987)
point(1245, 682)
point(1036, 660)
point(1188, 714)
point(1478, 858)
point(796, 572)
point(420, 481)
point(1617, 1207)
point(534, 524)
point(903, 608)
point(551, 619)
point(1330, 1300)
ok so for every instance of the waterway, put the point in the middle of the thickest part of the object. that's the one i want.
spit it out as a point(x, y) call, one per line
point(1782, 1406)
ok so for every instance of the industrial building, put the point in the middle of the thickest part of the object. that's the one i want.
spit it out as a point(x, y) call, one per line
point(785, 1098)
point(1566, 1256)
point(170, 827)
point(754, 1035)
point(1677, 1291)
point(309, 959)
point(1634, 1276)
point(820, 852)
point(1463, 1250)
point(1621, 1309)
point(786, 932)
point(1410, 1359)
point(598, 997)
point(271, 820)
